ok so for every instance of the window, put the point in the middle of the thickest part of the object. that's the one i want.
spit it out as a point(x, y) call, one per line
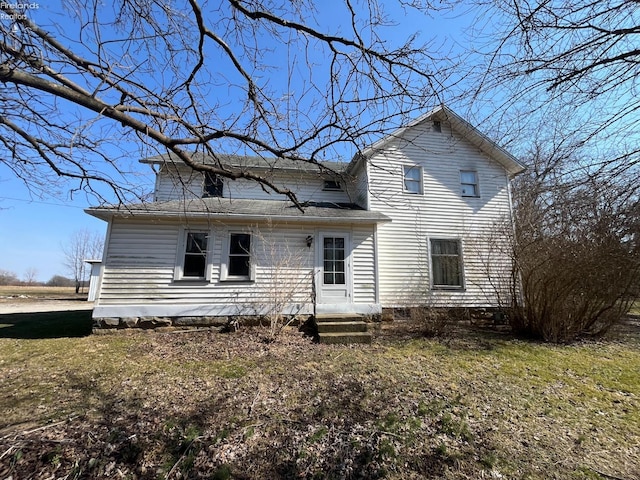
point(412, 179)
point(213, 185)
point(332, 185)
point(239, 266)
point(334, 261)
point(446, 263)
point(469, 183)
point(194, 262)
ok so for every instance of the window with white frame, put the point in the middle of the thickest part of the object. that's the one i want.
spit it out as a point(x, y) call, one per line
point(469, 183)
point(194, 255)
point(239, 260)
point(412, 179)
point(446, 263)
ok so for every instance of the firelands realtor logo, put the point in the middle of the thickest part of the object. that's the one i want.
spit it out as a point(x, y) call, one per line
point(16, 10)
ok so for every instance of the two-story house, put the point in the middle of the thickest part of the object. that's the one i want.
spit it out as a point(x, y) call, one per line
point(416, 219)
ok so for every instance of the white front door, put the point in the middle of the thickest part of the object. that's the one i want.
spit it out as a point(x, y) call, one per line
point(334, 273)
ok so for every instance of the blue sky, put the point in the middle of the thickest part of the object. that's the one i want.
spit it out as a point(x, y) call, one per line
point(32, 231)
point(33, 228)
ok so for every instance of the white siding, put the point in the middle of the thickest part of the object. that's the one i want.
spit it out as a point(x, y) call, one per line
point(440, 212)
point(306, 186)
point(174, 183)
point(360, 186)
point(363, 257)
point(140, 264)
point(178, 183)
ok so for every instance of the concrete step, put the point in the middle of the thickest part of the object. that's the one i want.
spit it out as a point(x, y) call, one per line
point(344, 327)
point(337, 317)
point(344, 338)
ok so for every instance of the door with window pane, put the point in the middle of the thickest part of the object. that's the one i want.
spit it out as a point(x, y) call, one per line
point(334, 282)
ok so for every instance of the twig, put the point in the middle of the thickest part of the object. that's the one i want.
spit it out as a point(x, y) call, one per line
point(8, 451)
point(253, 403)
point(44, 427)
point(190, 330)
point(175, 465)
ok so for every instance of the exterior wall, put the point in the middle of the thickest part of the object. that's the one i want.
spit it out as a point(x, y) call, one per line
point(178, 183)
point(363, 259)
point(139, 271)
point(174, 183)
point(360, 186)
point(440, 212)
point(94, 281)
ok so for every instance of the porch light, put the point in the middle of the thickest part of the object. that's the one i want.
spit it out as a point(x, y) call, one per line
point(309, 241)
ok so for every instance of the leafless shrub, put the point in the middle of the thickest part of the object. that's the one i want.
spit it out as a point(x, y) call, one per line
point(434, 322)
point(287, 273)
point(576, 254)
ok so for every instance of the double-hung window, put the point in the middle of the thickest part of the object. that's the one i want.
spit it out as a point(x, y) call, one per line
point(446, 263)
point(412, 178)
point(239, 265)
point(194, 256)
point(469, 183)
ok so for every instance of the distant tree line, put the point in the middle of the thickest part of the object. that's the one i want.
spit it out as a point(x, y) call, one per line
point(81, 246)
point(9, 278)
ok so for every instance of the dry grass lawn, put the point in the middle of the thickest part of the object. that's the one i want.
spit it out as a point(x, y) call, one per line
point(29, 293)
point(476, 404)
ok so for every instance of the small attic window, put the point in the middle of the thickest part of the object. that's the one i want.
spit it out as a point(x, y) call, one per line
point(437, 126)
point(213, 185)
point(332, 186)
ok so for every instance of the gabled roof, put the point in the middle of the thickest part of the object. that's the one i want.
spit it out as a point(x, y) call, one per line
point(459, 125)
point(253, 162)
point(243, 209)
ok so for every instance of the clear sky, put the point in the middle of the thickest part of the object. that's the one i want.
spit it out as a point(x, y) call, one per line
point(33, 229)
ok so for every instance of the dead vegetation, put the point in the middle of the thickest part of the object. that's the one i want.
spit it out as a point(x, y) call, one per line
point(25, 293)
point(475, 404)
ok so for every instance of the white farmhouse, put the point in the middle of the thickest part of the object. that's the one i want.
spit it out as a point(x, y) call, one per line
point(413, 220)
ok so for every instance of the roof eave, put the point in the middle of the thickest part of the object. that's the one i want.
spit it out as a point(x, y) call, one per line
point(328, 166)
point(107, 214)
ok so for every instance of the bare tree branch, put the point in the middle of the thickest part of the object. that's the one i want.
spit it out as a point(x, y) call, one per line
point(252, 77)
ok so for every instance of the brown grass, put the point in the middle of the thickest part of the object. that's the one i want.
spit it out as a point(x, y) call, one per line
point(205, 405)
point(27, 293)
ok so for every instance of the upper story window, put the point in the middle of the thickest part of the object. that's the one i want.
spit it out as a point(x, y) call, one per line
point(446, 263)
point(412, 179)
point(213, 185)
point(332, 186)
point(194, 256)
point(469, 183)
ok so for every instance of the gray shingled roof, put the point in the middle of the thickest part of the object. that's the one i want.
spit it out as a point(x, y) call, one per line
point(244, 209)
point(239, 161)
